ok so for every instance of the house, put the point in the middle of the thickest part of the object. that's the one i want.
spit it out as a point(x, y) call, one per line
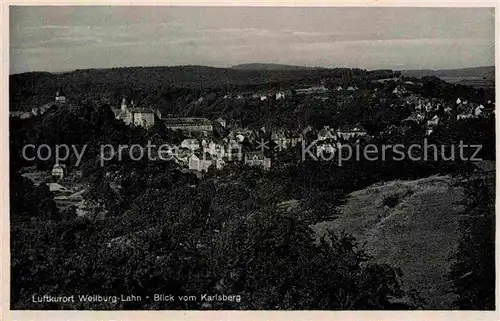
point(326, 133)
point(221, 121)
point(280, 95)
point(143, 117)
point(215, 149)
point(464, 116)
point(351, 131)
point(257, 159)
point(191, 144)
point(60, 97)
point(433, 122)
point(201, 163)
point(233, 151)
point(479, 110)
point(58, 171)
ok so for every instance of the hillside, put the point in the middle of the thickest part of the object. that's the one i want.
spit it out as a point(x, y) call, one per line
point(488, 72)
point(408, 224)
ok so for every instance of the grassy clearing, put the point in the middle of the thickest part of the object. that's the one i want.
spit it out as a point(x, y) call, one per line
point(408, 224)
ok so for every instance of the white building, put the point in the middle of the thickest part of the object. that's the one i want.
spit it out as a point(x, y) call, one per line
point(351, 131)
point(191, 144)
point(58, 171)
point(257, 159)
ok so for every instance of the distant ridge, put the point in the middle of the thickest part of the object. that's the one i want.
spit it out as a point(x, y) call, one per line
point(263, 66)
point(486, 71)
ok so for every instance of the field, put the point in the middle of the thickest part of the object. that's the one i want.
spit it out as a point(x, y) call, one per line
point(412, 225)
point(477, 82)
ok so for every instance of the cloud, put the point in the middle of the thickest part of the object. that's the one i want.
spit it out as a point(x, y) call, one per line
point(94, 37)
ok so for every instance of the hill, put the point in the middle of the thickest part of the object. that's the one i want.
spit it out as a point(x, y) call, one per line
point(262, 66)
point(411, 225)
point(487, 71)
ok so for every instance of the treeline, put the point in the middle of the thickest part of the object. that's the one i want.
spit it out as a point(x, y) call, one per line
point(157, 86)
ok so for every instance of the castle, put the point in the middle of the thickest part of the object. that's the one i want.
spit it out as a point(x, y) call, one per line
point(144, 117)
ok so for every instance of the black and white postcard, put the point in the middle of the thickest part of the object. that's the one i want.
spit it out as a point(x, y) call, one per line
point(250, 158)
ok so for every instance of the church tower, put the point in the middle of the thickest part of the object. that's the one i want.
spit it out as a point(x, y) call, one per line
point(124, 104)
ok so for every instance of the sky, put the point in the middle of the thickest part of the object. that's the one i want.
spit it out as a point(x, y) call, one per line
point(57, 38)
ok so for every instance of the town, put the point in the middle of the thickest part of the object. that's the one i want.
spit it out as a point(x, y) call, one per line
point(208, 145)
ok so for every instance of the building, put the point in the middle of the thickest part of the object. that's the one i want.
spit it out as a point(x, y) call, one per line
point(201, 163)
point(294, 140)
point(215, 149)
point(326, 133)
point(60, 97)
point(324, 149)
point(479, 110)
point(433, 122)
point(191, 124)
point(351, 131)
point(280, 95)
point(191, 144)
point(142, 117)
point(221, 121)
point(464, 116)
point(257, 159)
point(58, 171)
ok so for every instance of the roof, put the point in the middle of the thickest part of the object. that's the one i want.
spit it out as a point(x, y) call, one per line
point(141, 110)
point(203, 156)
point(53, 187)
point(191, 121)
point(352, 128)
point(260, 155)
point(410, 118)
point(190, 141)
point(325, 133)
